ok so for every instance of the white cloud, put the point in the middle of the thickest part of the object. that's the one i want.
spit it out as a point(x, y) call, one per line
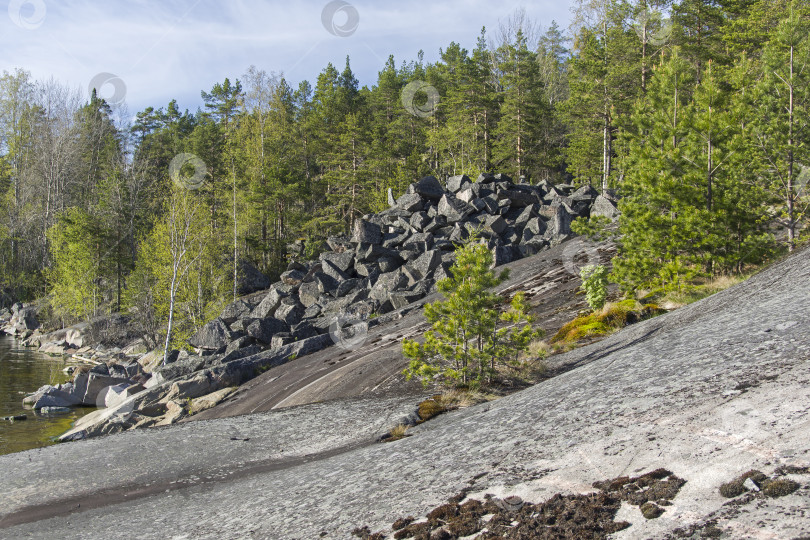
point(173, 49)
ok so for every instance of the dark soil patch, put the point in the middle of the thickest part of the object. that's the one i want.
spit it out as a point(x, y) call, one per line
point(562, 516)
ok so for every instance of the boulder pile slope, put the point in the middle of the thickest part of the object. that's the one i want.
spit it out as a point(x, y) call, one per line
point(706, 392)
point(391, 261)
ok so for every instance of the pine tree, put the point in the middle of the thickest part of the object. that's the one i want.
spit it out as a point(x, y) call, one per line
point(781, 121)
point(663, 212)
point(465, 344)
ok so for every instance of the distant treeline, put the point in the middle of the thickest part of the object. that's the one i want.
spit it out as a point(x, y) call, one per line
point(695, 111)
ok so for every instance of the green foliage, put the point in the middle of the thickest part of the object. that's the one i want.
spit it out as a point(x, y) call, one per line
point(595, 283)
point(592, 228)
point(79, 265)
point(465, 343)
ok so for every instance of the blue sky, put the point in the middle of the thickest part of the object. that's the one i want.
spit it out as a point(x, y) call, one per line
point(174, 48)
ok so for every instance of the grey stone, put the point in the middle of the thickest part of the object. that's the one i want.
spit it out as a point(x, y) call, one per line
point(279, 340)
point(453, 209)
point(418, 221)
point(308, 294)
point(249, 278)
point(585, 193)
point(495, 224)
point(503, 255)
point(386, 284)
point(239, 343)
point(333, 271)
point(365, 269)
point(97, 382)
point(560, 222)
point(466, 195)
point(292, 277)
point(290, 311)
point(270, 302)
point(603, 206)
point(264, 329)
point(391, 200)
point(338, 244)
point(373, 252)
point(326, 284)
point(399, 300)
point(501, 177)
point(313, 311)
point(536, 226)
point(394, 239)
point(458, 182)
point(427, 262)
point(343, 260)
point(212, 336)
point(366, 232)
point(485, 178)
point(429, 188)
point(389, 263)
point(419, 242)
point(526, 214)
point(410, 202)
point(234, 311)
point(345, 287)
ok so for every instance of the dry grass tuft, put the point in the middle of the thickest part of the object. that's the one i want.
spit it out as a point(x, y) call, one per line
point(397, 433)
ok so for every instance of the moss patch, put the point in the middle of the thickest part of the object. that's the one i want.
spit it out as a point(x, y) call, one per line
point(779, 487)
point(613, 317)
point(767, 486)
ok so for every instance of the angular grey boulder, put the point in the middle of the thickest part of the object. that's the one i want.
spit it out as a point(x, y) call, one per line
point(602, 206)
point(292, 277)
point(366, 232)
point(343, 260)
point(410, 202)
point(422, 267)
point(458, 182)
point(250, 279)
point(269, 303)
point(263, 330)
point(290, 311)
point(429, 188)
point(454, 209)
point(212, 336)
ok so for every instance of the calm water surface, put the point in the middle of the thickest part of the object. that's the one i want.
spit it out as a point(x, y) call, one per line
point(21, 372)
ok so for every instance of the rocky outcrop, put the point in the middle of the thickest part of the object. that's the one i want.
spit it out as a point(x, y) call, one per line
point(392, 259)
point(22, 320)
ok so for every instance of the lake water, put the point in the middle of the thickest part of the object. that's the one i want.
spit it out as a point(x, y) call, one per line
point(22, 371)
